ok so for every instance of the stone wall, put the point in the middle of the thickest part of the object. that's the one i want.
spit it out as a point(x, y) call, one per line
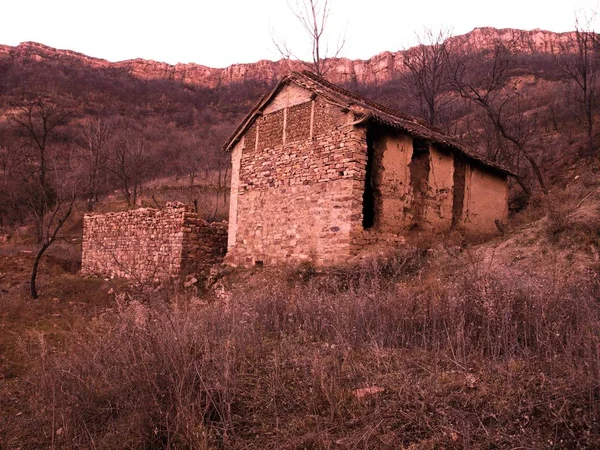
point(300, 192)
point(298, 195)
point(204, 245)
point(151, 245)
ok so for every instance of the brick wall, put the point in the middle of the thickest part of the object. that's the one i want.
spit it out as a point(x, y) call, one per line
point(151, 245)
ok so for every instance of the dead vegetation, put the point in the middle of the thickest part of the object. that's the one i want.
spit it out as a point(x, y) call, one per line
point(441, 345)
point(401, 352)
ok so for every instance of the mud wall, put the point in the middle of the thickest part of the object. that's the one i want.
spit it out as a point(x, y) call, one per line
point(411, 192)
point(392, 179)
point(485, 201)
point(440, 184)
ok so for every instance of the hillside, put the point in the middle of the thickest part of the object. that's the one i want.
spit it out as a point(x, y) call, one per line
point(188, 109)
point(441, 346)
point(444, 343)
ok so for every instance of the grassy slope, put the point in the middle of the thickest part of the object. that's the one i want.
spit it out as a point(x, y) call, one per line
point(492, 346)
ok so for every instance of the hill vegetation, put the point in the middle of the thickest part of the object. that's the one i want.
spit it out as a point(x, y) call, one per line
point(514, 96)
point(446, 343)
point(435, 346)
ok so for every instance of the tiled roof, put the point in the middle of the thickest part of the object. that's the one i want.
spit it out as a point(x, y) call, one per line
point(366, 111)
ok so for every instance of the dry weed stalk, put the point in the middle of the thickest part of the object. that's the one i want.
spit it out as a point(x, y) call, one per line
point(450, 362)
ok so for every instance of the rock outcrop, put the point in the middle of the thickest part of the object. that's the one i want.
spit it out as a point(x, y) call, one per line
point(377, 69)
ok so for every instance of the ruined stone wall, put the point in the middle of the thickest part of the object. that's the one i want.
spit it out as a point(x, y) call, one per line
point(204, 245)
point(486, 200)
point(150, 245)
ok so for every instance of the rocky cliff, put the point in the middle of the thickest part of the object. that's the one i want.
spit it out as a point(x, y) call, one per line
point(377, 69)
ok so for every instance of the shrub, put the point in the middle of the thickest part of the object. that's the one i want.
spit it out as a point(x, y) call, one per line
point(145, 377)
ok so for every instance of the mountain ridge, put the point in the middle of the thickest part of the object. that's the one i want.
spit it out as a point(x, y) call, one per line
point(377, 69)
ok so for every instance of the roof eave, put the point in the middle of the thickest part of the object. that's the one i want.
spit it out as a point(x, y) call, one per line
point(453, 147)
point(365, 111)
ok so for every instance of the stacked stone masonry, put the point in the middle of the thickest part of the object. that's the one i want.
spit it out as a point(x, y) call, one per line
point(149, 245)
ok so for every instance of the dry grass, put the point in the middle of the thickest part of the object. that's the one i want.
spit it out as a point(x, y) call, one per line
point(438, 348)
point(469, 362)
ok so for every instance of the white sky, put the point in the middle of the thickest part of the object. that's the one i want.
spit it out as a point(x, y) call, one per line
point(217, 33)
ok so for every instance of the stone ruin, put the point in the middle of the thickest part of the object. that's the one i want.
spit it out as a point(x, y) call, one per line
point(152, 245)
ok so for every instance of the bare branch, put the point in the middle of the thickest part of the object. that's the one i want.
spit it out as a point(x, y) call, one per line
point(483, 81)
point(313, 16)
point(428, 73)
point(580, 63)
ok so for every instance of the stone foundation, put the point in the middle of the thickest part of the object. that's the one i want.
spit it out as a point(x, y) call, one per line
point(149, 245)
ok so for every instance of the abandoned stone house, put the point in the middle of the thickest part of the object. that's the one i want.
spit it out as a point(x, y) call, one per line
point(318, 174)
point(321, 174)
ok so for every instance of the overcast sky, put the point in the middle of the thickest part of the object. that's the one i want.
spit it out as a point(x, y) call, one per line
point(217, 33)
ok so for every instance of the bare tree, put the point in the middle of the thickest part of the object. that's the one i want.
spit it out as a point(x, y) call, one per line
point(191, 149)
point(52, 222)
point(221, 166)
point(580, 63)
point(95, 141)
point(37, 121)
point(13, 201)
point(313, 15)
point(44, 170)
point(484, 79)
point(128, 162)
point(206, 167)
point(428, 74)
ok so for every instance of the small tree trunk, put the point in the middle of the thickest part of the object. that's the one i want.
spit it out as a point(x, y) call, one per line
point(34, 270)
point(524, 186)
point(536, 171)
point(225, 185)
point(90, 203)
point(590, 130)
point(51, 237)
